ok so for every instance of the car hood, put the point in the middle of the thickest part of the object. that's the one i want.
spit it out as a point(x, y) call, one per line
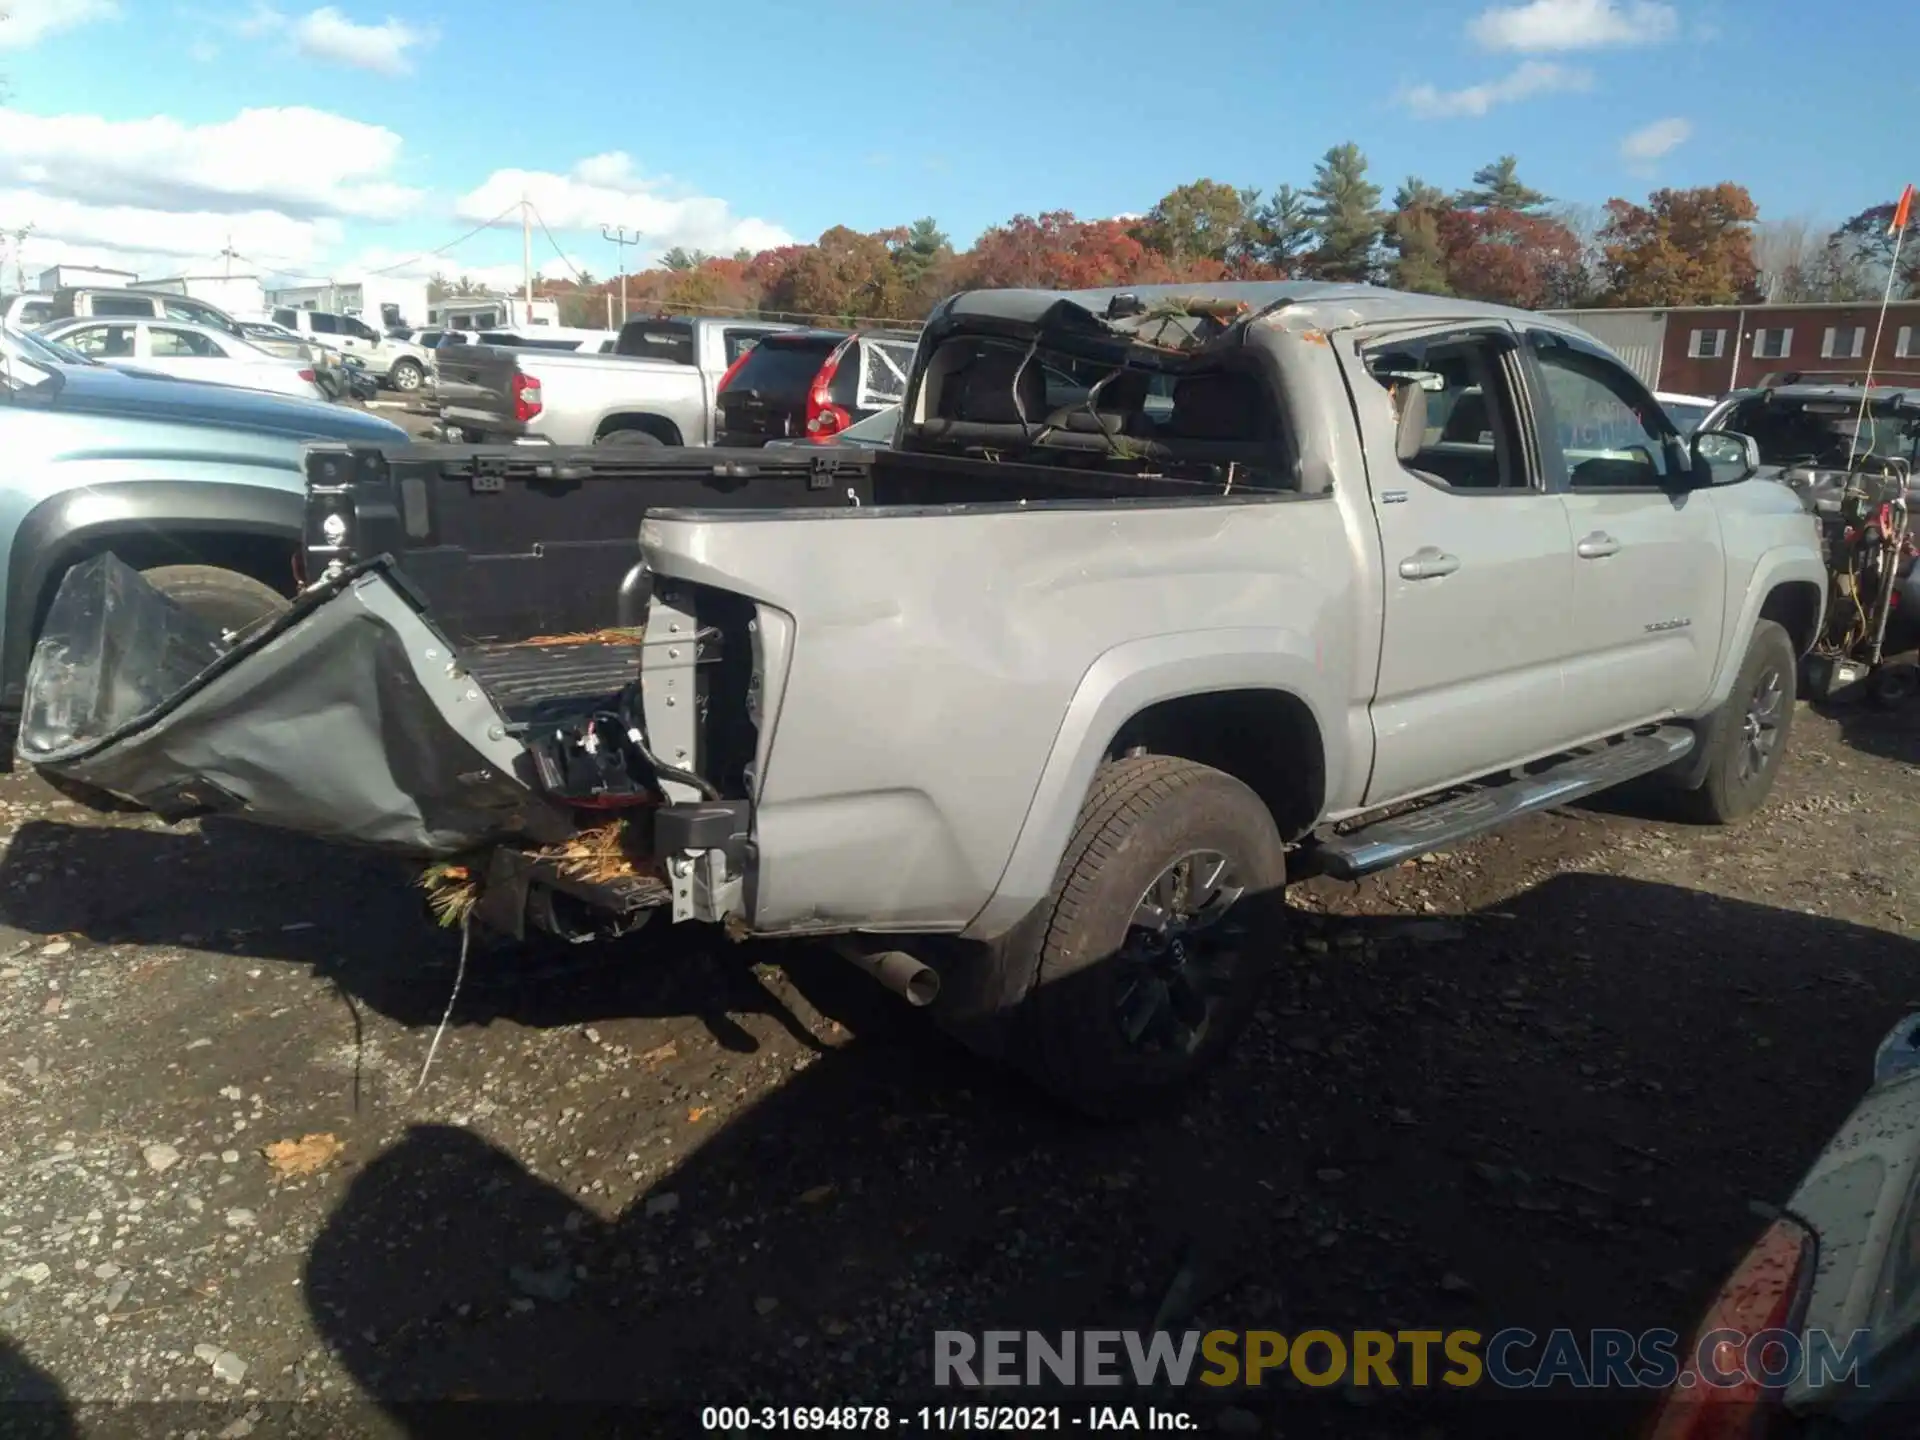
point(104, 390)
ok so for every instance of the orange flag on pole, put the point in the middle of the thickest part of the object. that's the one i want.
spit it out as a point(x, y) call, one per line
point(1902, 212)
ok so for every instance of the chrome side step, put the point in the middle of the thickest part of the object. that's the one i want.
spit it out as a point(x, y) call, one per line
point(1387, 843)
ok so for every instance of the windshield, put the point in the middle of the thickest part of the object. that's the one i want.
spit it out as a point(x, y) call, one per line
point(38, 348)
point(1686, 418)
point(1824, 432)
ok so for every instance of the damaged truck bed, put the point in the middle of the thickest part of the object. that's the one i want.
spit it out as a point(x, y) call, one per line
point(1159, 597)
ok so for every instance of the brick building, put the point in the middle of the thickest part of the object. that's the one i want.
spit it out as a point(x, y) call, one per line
point(1713, 349)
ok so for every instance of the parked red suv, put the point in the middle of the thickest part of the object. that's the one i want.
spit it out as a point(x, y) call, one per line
point(810, 385)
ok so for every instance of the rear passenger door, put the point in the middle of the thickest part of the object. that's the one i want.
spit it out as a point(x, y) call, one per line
point(1649, 569)
point(1477, 561)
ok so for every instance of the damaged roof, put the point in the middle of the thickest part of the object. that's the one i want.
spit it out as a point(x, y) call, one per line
point(1319, 304)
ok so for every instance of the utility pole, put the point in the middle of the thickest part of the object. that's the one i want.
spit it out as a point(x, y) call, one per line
point(526, 254)
point(621, 242)
point(19, 238)
point(229, 255)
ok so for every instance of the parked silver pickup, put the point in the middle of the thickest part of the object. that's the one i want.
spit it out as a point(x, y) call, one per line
point(657, 388)
point(1037, 711)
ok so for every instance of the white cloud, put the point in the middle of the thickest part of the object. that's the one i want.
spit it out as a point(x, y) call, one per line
point(606, 190)
point(1530, 78)
point(1651, 142)
point(326, 34)
point(303, 163)
point(27, 22)
point(1555, 25)
point(150, 242)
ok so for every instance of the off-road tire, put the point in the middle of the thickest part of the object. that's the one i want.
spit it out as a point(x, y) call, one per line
point(221, 597)
point(407, 376)
point(629, 437)
point(1728, 795)
point(1142, 814)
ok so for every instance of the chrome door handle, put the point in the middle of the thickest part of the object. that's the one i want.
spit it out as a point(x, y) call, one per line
point(1428, 563)
point(1597, 546)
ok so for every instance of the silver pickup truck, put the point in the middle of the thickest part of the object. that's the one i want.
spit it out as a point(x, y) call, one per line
point(657, 388)
point(1038, 711)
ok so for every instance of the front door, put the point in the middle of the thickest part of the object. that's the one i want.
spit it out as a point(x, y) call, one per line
point(1649, 568)
point(1477, 558)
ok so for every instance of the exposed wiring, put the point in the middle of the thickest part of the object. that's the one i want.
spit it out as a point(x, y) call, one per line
point(459, 979)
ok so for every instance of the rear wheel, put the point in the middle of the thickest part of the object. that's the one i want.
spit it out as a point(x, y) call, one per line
point(629, 437)
point(1146, 959)
point(225, 598)
point(1747, 736)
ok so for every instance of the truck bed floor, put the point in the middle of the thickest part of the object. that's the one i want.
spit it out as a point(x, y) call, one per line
point(532, 682)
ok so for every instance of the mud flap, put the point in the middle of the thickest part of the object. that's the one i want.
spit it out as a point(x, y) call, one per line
point(346, 718)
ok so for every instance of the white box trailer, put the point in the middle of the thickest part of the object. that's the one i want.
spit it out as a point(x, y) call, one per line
point(63, 277)
point(241, 296)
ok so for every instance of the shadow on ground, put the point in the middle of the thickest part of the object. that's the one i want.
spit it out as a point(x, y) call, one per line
point(1553, 1114)
point(32, 1404)
point(286, 898)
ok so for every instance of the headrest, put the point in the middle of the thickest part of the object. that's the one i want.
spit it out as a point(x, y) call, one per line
point(1410, 436)
point(983, 390)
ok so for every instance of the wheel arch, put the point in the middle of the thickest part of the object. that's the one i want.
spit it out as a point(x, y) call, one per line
point(1203, 696)
point(658, 426)
point(1789, 586)
point(253, 529)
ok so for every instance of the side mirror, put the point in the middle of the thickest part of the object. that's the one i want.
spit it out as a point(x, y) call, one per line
point(1722, 457)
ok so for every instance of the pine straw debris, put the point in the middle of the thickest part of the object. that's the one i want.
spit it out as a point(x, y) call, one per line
point(596, 856)
point(612, 635)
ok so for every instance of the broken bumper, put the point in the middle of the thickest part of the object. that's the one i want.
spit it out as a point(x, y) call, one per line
point(348, 718)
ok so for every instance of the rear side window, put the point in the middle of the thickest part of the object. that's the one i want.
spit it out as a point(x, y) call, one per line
point(657, 340)
point(170, 344)
point(36, 312)
point(102, 342)
point(286, 318)
point(883, 373)
point(781, 368)
point(122, 305)
point(323, 323)
point(737, 342)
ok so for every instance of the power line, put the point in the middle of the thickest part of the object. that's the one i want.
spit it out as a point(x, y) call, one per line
point(451, 244)
point(553, 242)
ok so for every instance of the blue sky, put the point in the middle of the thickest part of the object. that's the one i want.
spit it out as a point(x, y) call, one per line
point(365, 132)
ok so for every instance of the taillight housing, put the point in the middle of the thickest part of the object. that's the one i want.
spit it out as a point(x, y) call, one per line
point(306, 375)
point(824, 418)
point(1768, 1291)
point(526, 398)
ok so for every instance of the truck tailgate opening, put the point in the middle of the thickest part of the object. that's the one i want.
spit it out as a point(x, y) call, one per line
point(349, 717)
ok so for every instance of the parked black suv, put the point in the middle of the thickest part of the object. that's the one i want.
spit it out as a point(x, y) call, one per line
point(810, 385)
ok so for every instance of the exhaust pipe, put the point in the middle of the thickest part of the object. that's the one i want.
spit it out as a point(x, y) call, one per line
point(912, 980)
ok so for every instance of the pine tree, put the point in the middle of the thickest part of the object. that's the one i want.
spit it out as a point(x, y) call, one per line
point(1498, 187)
point(1346, 215)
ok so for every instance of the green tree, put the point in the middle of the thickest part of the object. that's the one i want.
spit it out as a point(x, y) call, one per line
point(1346, 215)
point(1416, 194)
point(1204, 220)
point(1282, 230)
point(925, 247)
point(1498, 187)
point(680, 258)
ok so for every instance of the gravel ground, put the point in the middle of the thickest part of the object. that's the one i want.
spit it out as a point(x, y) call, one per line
point(1536, 1081)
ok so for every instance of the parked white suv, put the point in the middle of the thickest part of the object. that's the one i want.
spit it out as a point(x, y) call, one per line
point(398, 364)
